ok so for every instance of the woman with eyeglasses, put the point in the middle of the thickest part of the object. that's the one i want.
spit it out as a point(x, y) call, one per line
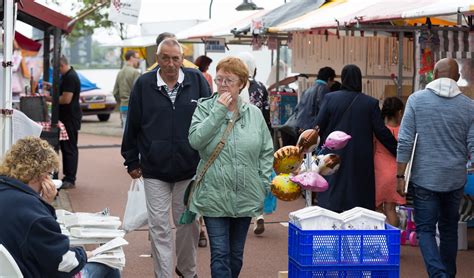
point(29, 230)
point(234, 187)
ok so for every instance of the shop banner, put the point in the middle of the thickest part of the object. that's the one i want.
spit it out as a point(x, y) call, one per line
point(124, 11)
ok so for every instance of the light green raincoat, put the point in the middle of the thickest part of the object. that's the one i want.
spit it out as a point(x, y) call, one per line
point(236, 183)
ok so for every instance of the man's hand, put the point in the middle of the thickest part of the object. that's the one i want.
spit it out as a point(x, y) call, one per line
point(135, 173)
point(401, 187)
point(48, 190)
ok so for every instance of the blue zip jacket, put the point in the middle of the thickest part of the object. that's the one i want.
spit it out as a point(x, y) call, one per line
point(30, 233)
point(156, 133)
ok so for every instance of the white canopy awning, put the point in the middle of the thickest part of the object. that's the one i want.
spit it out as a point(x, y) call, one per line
point(140, 41)
point(220, 27)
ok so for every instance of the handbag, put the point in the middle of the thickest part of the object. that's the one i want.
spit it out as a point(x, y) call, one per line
point(290, 126)
point(135, 215)
point(188, 217)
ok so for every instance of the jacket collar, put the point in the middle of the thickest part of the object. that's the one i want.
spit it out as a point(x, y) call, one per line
point(11, 182)
point(154, 76)
point(160, 81)
point(7, 182)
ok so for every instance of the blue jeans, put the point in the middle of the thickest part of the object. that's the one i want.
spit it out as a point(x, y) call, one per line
point(227, 240)
point(96, 270)
point(443, 208)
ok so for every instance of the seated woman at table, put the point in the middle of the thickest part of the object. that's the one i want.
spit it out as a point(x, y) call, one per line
point(29, 230)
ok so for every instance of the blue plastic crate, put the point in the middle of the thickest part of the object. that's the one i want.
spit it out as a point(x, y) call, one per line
point(336, 271)
point(344, 247)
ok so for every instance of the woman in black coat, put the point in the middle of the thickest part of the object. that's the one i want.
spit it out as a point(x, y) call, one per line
point(358, 115)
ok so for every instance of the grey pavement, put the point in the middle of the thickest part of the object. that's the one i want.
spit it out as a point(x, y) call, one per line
point(103, 182)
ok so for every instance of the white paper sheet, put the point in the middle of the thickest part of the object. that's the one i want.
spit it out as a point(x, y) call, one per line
point(410, 164)
point(114, 243)
point(23, 126)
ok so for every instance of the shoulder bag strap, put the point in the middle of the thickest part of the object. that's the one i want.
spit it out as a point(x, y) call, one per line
point(348, 108)
point(218, 148)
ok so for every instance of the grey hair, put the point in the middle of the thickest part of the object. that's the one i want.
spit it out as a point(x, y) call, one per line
point(63, 60)
point(170, 42)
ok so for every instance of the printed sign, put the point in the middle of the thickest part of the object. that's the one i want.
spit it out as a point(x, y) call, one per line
point(215, 45)
point(124, 11)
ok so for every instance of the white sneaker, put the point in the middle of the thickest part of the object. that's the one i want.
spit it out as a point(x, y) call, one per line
point(259, 226)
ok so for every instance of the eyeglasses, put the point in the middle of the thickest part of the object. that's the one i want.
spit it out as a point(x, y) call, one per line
point(223, 81)
point(51, 174)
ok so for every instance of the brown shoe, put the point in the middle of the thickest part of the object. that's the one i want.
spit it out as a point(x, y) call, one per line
point(202, 239)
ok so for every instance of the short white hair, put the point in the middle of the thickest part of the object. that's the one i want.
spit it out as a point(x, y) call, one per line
point(249, 61)
point(170, 42)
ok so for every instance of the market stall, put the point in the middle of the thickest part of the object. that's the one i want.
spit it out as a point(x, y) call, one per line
point(53, 24)
point(374, 34)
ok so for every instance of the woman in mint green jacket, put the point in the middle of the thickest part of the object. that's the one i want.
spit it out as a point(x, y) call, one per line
point(234, 187)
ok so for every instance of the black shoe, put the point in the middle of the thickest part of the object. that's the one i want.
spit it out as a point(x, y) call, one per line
point(181, 274)
point(68, 185)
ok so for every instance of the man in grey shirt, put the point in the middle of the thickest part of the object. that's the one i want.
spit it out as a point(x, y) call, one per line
point(444, 119)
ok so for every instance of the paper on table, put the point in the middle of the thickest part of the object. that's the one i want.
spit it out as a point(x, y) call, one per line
point(114, 258)
point(81, 232)
point(23, 126)
point(410, 164)
point(114, 243)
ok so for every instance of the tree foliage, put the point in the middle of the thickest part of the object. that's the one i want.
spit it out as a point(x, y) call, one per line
point(91, 14)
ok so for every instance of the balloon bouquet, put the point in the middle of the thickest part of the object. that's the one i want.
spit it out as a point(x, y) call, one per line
point(291, 177)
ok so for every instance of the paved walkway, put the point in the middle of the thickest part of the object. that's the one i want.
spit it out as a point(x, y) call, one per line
point(103, 182)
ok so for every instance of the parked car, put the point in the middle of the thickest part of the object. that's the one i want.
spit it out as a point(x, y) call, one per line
point(95, 101)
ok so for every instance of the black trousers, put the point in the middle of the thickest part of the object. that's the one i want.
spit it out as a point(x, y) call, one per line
point(70, 153)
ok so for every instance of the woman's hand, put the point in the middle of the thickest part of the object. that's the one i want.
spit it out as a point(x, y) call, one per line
point(225, 99)
point(48, 190)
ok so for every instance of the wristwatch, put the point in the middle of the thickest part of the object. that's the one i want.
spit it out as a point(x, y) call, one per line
point(400, 176)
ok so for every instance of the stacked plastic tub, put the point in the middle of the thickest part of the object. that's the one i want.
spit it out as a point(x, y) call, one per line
point(356, 243)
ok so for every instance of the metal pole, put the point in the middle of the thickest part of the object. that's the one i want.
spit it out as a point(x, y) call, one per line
point(210, 7)
point(308, 193)
point(400, 64)
point(6, 88)
point(277, 74)
point(56, 55)
point(46, 56)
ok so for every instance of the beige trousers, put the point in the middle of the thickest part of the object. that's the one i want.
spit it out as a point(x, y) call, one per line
point(161, 199)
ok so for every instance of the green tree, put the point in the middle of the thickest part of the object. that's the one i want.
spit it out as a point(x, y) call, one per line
point(91, 14)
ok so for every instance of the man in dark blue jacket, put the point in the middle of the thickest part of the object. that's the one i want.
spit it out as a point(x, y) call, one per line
point(311, 100)
point(155, 145)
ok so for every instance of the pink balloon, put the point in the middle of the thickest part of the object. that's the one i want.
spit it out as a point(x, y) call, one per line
point(337, 140)
point(311, 181)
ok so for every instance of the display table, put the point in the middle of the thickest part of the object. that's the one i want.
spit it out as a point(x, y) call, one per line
point(62, 130)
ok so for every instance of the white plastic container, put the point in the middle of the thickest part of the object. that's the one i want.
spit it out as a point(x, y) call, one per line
point(292, 216)
point(318, 219)
point(362, 219)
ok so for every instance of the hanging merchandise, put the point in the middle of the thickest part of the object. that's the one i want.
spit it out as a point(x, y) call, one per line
point(429, 44)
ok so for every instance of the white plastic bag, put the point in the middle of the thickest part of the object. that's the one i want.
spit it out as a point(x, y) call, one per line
point(135, 215)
